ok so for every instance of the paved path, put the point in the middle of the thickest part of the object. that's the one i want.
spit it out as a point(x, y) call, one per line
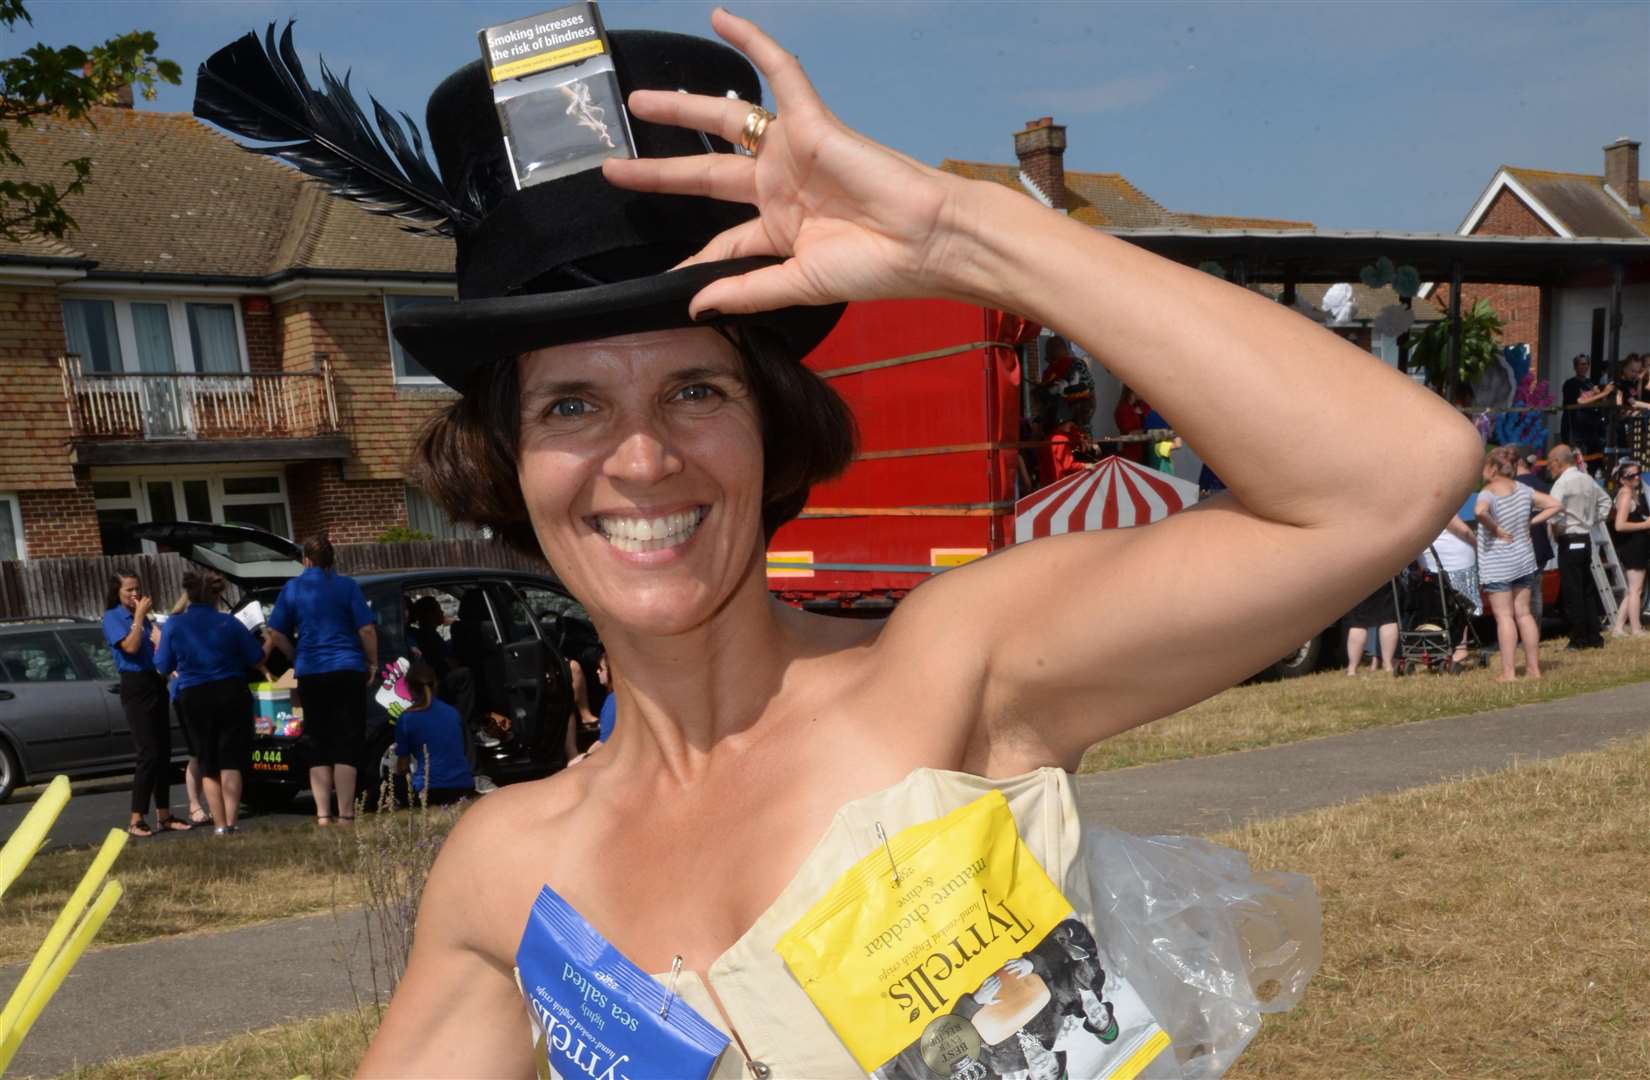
point(198, 988)
point(220, 984)
point(1207, 795)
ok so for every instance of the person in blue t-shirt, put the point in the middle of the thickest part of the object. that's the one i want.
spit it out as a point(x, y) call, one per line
point(429, 743)
point(335, 658)
point(132, 636)
point(212, 652)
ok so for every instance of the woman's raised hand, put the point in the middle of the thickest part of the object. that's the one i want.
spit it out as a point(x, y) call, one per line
point(852, 219)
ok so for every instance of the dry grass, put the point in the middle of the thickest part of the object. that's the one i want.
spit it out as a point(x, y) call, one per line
point(1494, 927)
point(1329, 703)
point(182, 884)
point(1491, 927)
point(322, 1048)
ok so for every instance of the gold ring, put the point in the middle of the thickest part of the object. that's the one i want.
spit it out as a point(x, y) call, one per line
point(756, 123)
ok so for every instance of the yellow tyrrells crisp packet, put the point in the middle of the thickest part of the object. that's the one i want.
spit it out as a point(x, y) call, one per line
point(971, 965)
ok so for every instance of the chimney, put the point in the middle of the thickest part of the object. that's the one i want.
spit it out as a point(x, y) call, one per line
point(1621, 171)
point(1041, 148)
point(119, 98)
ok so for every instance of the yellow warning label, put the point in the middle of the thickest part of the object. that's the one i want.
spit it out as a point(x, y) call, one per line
point(515, 69)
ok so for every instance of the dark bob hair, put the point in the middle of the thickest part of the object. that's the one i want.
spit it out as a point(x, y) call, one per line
point(466, 458)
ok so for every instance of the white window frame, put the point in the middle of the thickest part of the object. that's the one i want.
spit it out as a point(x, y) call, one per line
point(14, 506)
point(409, 492)
point(140, 478)
point(177, 315)
point(395, 346)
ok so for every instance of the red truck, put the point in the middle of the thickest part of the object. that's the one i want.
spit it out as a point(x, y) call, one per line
point(935, 386)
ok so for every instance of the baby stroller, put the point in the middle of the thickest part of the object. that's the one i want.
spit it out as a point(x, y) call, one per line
point(1434, 621)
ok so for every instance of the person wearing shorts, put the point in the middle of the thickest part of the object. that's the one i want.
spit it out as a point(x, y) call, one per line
point(335, 655)
point(212, 653)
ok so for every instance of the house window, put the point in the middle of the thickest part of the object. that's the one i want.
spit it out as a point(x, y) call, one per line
point(425, 515)
point(11, 529)
point(141, 335)
point(254, 499)
point(408, 370)
point(90, 328)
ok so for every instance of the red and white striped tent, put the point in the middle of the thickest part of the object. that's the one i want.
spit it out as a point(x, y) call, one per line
point(1114, 494)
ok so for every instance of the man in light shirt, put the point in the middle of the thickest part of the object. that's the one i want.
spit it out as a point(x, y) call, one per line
point(1584, 505)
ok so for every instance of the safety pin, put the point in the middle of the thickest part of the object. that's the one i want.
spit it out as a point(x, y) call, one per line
point(670, 990)
point(890, 850)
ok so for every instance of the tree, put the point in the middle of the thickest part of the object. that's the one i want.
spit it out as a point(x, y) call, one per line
point(1480, 345)
point(65, 82)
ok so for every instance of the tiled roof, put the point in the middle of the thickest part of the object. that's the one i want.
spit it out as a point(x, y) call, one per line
point(170, 195)
point(38, 247)
point(1581, 203)
point(1106, 200)
point(1096, 199)
point(1227, 221)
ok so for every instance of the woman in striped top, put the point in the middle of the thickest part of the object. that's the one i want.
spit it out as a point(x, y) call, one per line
point(1506, 557)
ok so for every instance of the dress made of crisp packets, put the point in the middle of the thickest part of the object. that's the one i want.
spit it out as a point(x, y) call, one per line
point(1186, 934)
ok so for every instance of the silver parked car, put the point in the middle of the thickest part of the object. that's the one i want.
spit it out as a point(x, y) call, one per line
point(60, 705)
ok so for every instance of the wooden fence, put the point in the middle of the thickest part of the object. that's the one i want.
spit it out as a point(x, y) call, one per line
point(76, 586)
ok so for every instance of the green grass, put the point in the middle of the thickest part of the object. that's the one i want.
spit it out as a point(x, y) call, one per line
point(1330, 703)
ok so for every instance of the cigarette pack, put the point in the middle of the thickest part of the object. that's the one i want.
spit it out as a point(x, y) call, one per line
point(557, 93)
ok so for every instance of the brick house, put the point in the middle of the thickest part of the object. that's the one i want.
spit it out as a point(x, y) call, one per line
point(1538, 202)
point(210, 342)
point(1103, 200)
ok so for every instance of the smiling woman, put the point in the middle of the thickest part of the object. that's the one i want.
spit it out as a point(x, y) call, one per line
point(470, 462)
point(627, 344)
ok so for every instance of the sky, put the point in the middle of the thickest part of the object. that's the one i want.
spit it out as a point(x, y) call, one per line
point(1350, 115)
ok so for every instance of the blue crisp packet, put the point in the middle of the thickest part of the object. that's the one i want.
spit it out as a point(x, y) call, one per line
point(596, 1015)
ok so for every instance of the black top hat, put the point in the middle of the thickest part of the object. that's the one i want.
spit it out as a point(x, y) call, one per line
point(570, 259)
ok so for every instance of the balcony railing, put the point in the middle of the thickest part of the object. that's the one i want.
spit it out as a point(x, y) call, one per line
point(197, 405)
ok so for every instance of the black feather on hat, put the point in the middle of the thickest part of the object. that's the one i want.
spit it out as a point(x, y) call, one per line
point(570, 259)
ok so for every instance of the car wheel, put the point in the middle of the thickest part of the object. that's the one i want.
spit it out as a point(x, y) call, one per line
point(1303, 661)
point(11, 773)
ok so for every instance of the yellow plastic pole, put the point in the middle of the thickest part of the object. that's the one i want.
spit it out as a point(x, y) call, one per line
point(59, 970)
point(113, 844)
point(22, 845)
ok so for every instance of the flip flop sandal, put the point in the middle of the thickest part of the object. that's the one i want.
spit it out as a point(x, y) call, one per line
point(199, 817)
point(172, 824)
point(139, 828)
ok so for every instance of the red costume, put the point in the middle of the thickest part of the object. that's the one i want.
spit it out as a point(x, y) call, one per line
point(1130, 417)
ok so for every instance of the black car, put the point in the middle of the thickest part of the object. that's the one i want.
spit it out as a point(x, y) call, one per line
point(514, 631)
point(60, 704)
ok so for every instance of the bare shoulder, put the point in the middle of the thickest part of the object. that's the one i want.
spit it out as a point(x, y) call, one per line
point(496, 859)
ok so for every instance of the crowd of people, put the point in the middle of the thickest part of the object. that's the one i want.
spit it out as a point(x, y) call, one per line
point(202, 660)
point(1519, 524)
point(196, 665)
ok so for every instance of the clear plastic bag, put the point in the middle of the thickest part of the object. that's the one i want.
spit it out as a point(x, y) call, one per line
point(1208, 944)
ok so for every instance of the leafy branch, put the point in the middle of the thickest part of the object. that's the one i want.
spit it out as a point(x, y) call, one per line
point(64, 82)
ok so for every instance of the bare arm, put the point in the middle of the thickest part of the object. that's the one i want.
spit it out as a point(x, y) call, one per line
point(1458, 529)
point(1061, 660)
point(1546, 506)
point(369, 646)
point(274, 639)
point(132, 643)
